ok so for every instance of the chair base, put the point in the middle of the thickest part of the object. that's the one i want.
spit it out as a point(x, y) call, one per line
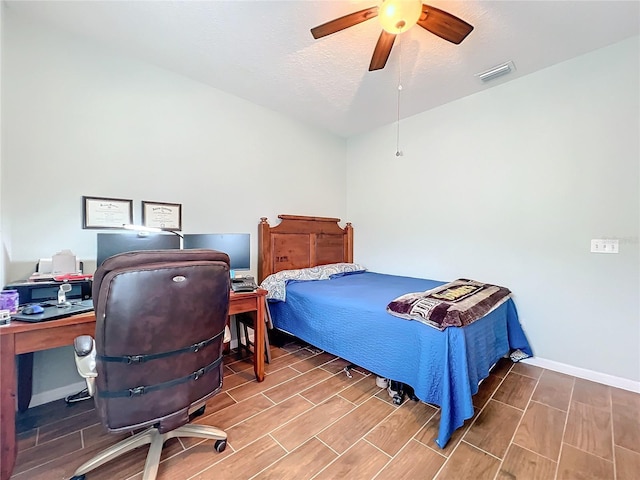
point(156, 440)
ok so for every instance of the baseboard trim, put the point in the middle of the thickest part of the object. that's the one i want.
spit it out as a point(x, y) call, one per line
point(606, 379)
point(56, 393)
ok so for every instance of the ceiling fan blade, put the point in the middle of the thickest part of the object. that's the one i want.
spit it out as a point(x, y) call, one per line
point(344, 22)
point(382, 51)
point(443, 24)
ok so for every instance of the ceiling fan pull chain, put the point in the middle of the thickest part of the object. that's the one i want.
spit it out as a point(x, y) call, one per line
point(398, 151)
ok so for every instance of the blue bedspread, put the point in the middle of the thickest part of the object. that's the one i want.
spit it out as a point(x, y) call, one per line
point(346, 316)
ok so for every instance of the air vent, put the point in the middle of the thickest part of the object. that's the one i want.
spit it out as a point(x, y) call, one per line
point(496, 71)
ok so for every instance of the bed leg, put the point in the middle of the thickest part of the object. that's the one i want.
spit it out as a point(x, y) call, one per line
point(347, 370)
point(398, 390)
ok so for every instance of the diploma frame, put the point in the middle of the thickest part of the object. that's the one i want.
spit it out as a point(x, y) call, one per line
point(165, 216)
point(102, 212)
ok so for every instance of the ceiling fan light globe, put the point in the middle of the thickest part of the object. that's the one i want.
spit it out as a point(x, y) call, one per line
point(397, 16)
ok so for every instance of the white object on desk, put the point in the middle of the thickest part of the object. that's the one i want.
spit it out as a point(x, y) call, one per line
point(63, 262)
point(45, 266)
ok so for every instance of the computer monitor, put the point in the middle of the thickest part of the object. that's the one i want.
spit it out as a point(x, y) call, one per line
point(236, 245)
point(112, 243)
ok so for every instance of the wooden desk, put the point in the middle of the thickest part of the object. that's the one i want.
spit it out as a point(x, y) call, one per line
point(24, 337)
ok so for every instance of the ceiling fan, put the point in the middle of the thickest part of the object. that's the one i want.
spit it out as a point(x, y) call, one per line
point(397, 16)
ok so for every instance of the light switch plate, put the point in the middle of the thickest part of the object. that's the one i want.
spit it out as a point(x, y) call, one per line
point(604, 246)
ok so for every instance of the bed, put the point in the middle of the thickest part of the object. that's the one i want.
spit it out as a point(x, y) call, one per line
point(346, 315)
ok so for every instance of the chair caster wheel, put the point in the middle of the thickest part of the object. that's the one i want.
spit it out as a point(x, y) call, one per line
point(397, 400)
point(78, 477)
point(220, 445)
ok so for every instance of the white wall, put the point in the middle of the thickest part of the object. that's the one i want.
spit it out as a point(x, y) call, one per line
point(79, 120)
point(508, 186)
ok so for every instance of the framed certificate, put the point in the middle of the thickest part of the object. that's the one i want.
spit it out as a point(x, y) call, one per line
point(100, 212)
point(167, 216)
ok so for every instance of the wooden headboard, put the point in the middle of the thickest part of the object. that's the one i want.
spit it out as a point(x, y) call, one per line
point(302, 242)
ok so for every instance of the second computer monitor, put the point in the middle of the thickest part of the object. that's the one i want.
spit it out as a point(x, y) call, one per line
point(112, 243)
point(236, 245)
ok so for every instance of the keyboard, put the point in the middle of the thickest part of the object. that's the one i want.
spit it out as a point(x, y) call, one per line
point(53, 312)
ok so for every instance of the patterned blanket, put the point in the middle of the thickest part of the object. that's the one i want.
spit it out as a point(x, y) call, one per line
point(453, 304)
point(276, 283)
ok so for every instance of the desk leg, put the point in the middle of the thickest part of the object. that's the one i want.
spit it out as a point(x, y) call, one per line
point(258, 341)
point(25, 380)
point(8, 449)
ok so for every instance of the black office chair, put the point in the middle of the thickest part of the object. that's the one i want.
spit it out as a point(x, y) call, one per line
point(160, 321)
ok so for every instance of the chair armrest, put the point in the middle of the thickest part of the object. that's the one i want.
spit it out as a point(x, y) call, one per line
point(85, 355)
point(83, 345)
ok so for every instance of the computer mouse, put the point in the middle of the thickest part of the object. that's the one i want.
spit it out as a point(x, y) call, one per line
point(32, 309)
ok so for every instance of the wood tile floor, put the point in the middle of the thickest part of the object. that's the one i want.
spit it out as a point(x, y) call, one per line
point(308, 420)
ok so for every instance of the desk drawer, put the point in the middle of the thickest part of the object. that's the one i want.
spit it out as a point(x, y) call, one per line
point(36, 340)
point(241, 303)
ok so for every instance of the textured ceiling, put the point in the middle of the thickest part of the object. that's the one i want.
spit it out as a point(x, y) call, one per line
point(263, 51)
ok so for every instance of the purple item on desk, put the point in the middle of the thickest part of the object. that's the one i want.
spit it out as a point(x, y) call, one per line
point(9, 300)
